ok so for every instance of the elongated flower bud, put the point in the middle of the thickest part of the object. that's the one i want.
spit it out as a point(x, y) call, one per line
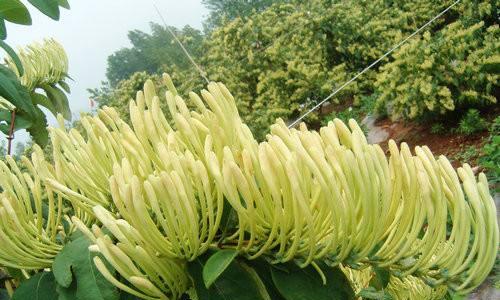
point(30, 217)
point(44, 63)
point(159, 186)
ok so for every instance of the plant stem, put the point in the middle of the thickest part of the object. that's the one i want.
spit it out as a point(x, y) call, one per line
point(11, 131)
point(8, 287)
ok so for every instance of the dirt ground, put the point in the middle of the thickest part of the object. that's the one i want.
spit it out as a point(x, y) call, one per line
point(449, 144)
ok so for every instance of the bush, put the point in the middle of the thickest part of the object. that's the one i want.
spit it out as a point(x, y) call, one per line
point(437, 128)
point(471, 123)
point(441, 72)
point(490, 158)
point(314, 47)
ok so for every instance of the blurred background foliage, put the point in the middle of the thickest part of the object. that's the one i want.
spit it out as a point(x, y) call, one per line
point(279, 58)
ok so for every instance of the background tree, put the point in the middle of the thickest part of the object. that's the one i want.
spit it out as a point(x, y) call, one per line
point(154, 52)
point(223, 11)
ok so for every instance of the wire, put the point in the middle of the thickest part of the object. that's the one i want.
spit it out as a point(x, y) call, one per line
point(372, 64)
point(202, 73)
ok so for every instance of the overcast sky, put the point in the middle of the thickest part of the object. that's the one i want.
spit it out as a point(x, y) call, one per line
point(93, 29)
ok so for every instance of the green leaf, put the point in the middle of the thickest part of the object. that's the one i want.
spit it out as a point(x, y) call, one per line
point(38, 129)
point(3, 30)
point(20, 122)
point(64, 86)
point(14, 11)
point(229, 220)
point(13, 56)
point(67, 293)
point(42, 100)
point(12, 90)
point(63, 3)
point(295, 283)
point(217, 264)
point(235, 283)
point(75, 262)
point(50, 8)
point(263, 268)
point(381, 278)
point(59, 100)
point(41, 286)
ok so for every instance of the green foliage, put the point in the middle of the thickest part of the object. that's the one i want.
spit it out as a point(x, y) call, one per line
point(49, 8)
point(471, 123)
point(238, 281)
point(357, 111)
point(283, 60)
point(296, 283)
point(441, 72)
point(4, 295)
point(467, 154)
point(13, 56)
point(490, 158)
point(75, 272)
point(217, 264)
point(41, 286)
point(437, 128)
point(16, 12)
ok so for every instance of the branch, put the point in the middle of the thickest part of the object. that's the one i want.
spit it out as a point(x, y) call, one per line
point(11, 131)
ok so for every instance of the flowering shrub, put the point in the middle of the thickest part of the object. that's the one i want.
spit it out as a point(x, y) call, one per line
point(198, 207)
point(441, 73)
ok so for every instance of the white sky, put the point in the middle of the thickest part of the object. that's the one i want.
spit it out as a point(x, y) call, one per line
point(93, 29)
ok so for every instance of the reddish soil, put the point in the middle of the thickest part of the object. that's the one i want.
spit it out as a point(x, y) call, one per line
point(448, 144)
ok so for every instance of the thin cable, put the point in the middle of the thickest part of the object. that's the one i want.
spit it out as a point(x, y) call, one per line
point(372, 64)
point(202, 73)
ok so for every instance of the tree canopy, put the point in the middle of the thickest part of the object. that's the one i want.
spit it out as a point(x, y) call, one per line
point(153, 52)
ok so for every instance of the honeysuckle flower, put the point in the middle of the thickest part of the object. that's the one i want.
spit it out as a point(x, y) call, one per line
point(159, 187)
point(44, 63)
point(152, 276)
point(30, 217)
point(405, 288)
point(303, 195)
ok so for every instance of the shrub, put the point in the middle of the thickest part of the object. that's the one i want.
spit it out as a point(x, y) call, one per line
point(282, 61)
point(437, 128)
point(471, 123)
point(490, 158)
point(441, 72)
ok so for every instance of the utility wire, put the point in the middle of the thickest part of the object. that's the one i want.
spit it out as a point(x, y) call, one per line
point(202, 73)
point(372, 64)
